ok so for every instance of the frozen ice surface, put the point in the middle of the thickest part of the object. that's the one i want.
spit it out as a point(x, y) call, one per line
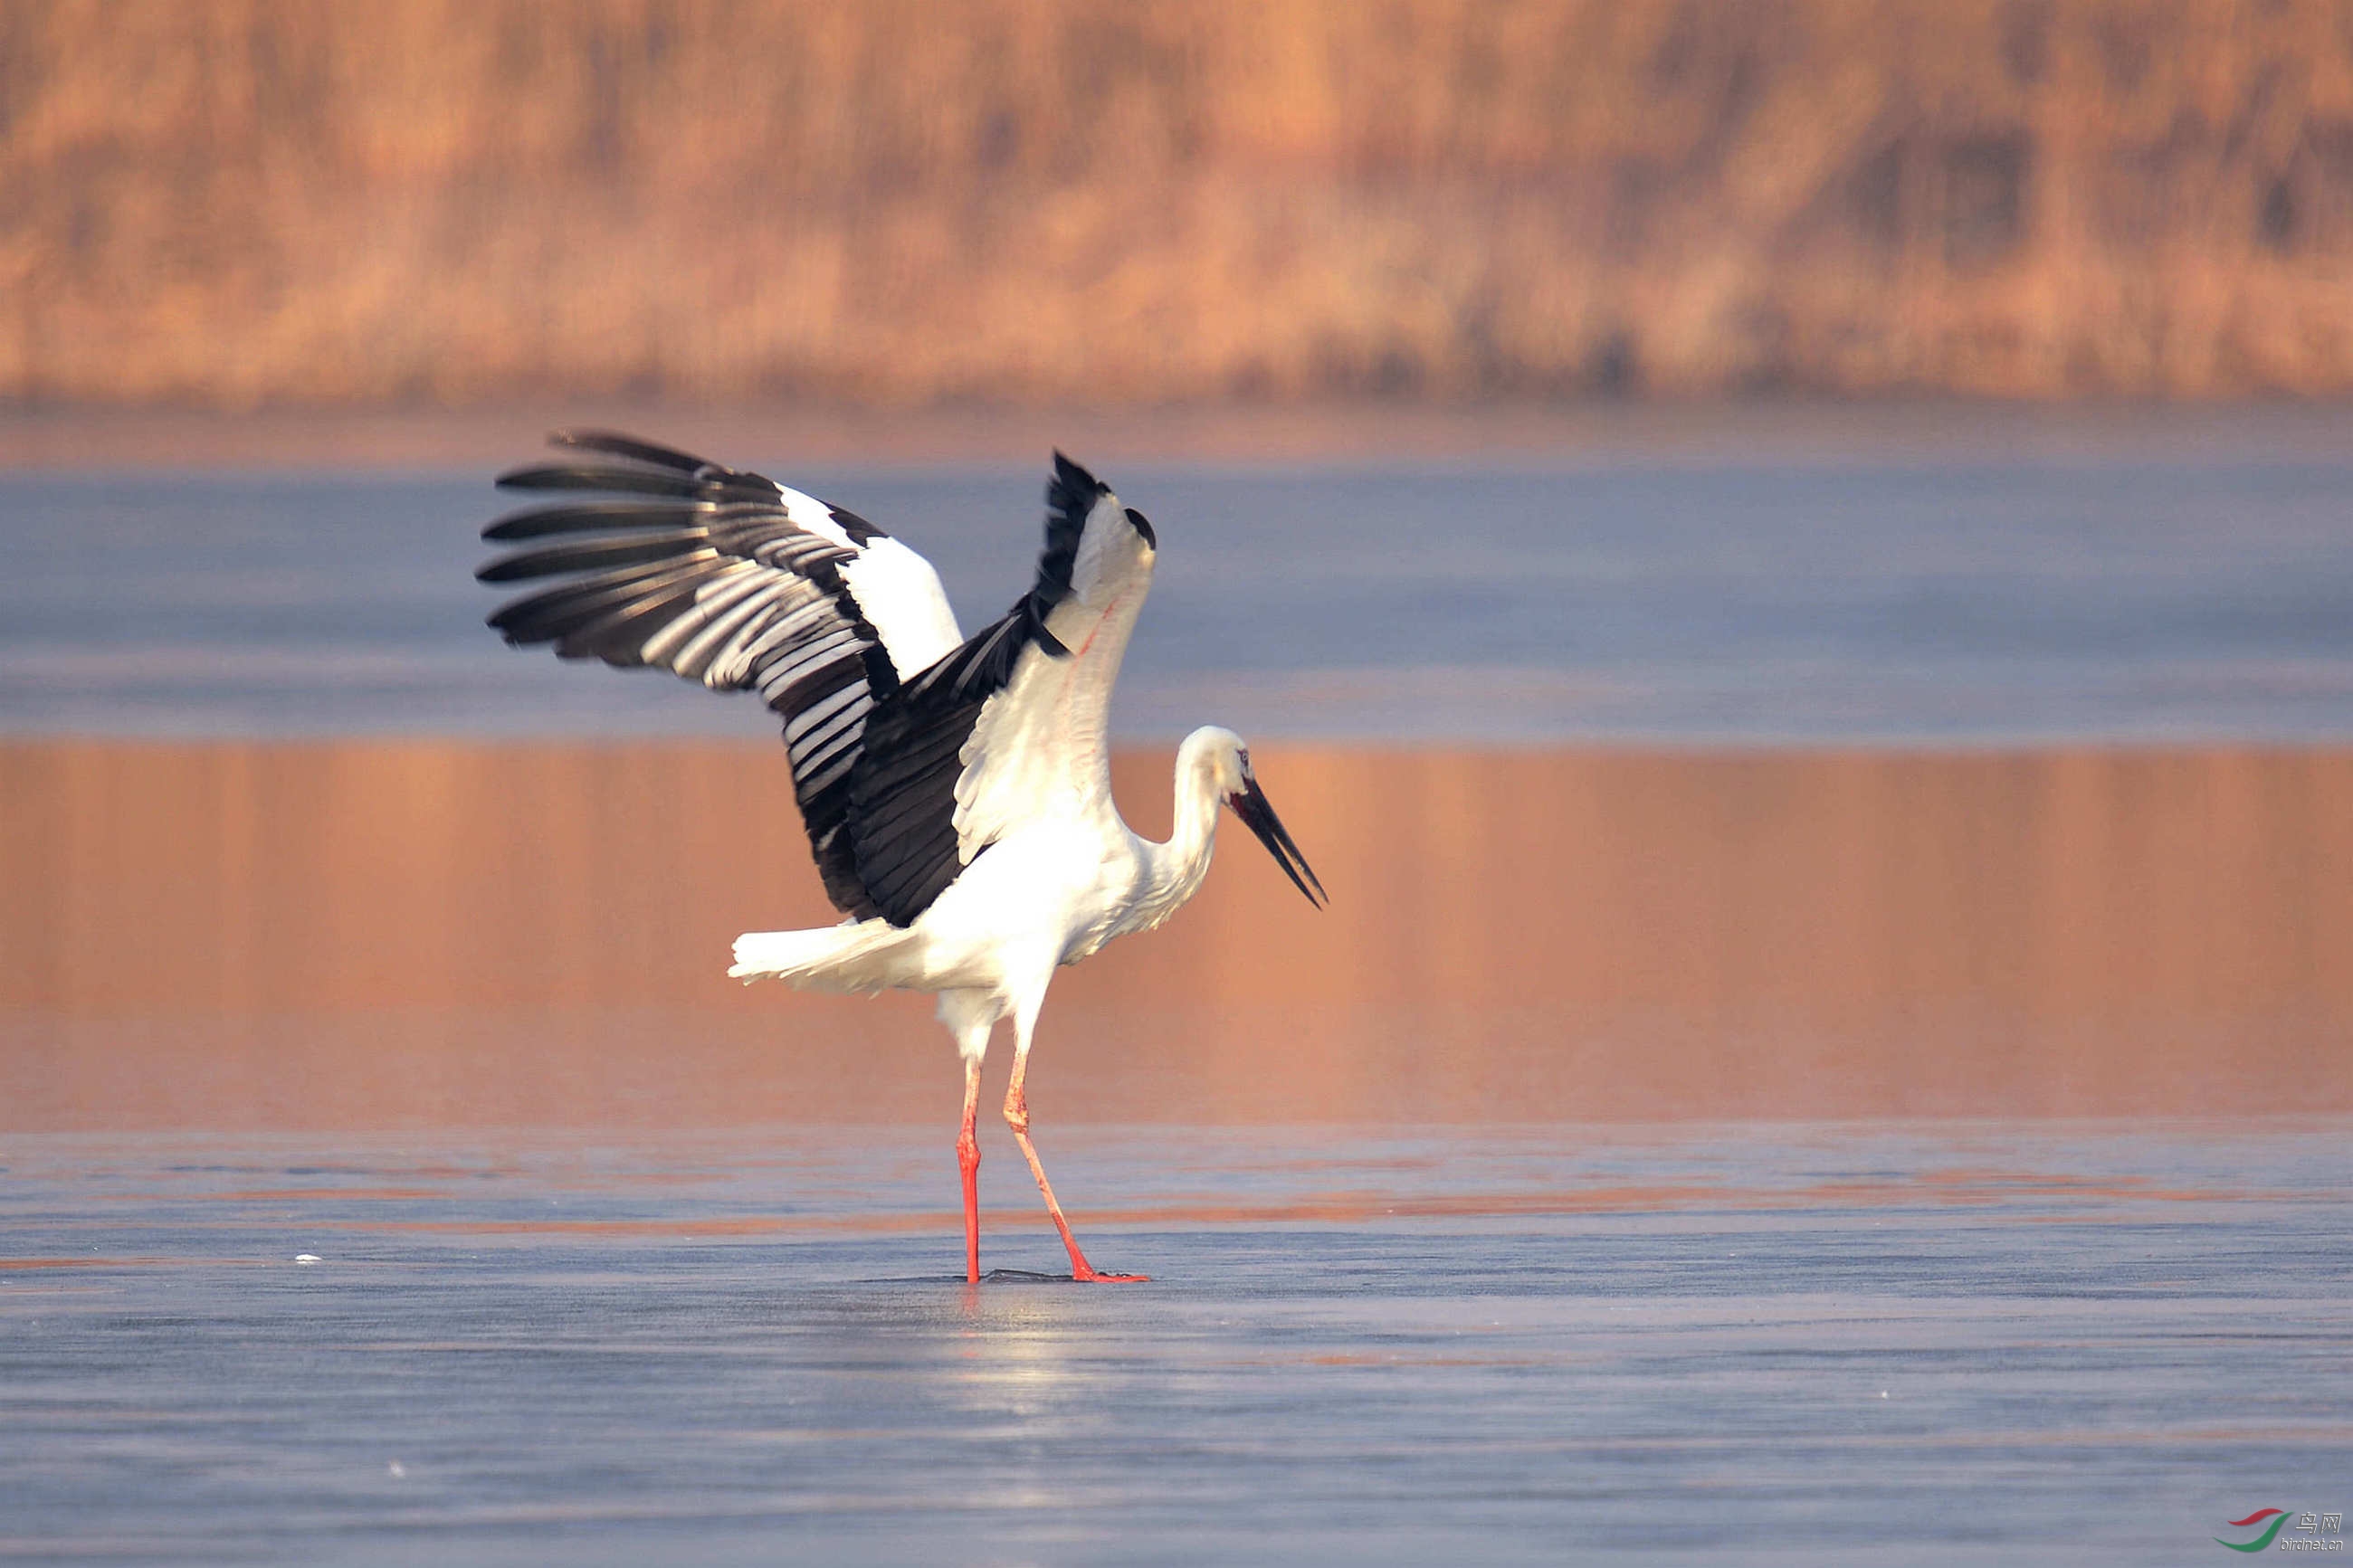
point(1856, 1344)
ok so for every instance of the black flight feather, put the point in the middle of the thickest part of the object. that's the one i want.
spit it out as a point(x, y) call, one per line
point(577, 517)
point(600, 553)
point(615, 444)
point(620, 479)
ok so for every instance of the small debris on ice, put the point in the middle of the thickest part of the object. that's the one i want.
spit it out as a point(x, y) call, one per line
point(306, 1257)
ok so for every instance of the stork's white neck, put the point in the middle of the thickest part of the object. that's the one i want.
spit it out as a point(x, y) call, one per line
point(1173, 871)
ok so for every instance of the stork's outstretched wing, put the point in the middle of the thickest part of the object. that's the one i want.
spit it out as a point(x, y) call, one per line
point(732, 580)
point(1012, 722)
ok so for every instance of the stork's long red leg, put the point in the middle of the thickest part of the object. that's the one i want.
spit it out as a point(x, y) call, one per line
point(968, 1160)
point(1017, 1116)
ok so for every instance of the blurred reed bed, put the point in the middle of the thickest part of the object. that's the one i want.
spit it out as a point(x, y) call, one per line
point(244, 203)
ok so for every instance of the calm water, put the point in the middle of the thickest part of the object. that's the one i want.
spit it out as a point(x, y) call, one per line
point(1936, 598)
point(1953, 1344)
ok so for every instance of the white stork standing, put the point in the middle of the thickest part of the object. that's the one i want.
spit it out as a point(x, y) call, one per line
point(956, 791)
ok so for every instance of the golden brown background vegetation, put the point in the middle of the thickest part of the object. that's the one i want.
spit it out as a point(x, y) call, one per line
point(237, 203)
point(373, 934)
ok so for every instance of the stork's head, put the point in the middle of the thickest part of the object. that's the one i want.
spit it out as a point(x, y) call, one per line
point(1221, 755)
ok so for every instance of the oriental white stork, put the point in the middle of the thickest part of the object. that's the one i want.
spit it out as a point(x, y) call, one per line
point(956, 791)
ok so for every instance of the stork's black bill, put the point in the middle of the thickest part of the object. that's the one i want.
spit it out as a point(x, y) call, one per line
point(1250, 803)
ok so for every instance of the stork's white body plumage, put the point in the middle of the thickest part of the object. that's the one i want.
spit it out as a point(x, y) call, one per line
point(956, 791)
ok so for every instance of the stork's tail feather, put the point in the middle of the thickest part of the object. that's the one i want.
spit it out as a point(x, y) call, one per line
point(845, 958)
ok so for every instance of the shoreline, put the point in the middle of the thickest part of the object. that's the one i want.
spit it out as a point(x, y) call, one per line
point(1775, 433)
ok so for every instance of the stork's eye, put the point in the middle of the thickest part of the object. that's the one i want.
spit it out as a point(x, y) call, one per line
point(1135, 521)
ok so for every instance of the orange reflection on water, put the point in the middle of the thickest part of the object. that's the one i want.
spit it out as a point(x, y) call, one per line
point(419, 934)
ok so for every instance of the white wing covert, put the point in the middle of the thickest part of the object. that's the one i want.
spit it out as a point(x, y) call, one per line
point(1044, 740)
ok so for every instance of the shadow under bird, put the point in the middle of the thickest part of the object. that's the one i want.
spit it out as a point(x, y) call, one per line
point(956, 790)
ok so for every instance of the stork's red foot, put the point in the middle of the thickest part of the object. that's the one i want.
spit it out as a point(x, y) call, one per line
point(1085, 1275)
